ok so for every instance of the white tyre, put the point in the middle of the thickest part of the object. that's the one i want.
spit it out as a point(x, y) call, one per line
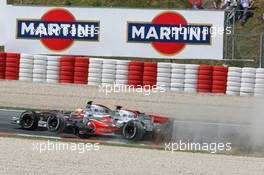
point(233, 88)
point(39, 71)
point(178, 76)
point(259, 85)
point(232, 93)
point(247, 80)
point(190, 86)
point(39, 79)
point(26, 65)
point(259, 81)
point(190, 81)
point(177, 66)
point(95, 79)
point(122, 62)
point(52, 72)
point(95, 70)
point(54, 77)
point(53, 58)
point(95, 75)
point(40, 57)
point(27, 56)
point(91, 83)
point(192, 66)
point(109, 61)
point(175, 89)
point(191, 76)
point(121, 77)
point(174, 80)
point(234, 74)
point(125, 82)
point(52, 81)
point(235, 69)
point(109, 66)
point(97, 66)
point(96, 61)
point(260, 76)
point(248, 70)
point(36, 66)
point(190, 90)
point(164, 84)
point(53, 63)
point(191, 71)
point(53, 68)
point(259, 90)
point(233, 84)
point(110, 81)
point(247, 89)
point(121, 72)
point(23, 70)
point(28, 75)
point(121, 67)
point(163, 70)
point(40, 62)
point(27, 61)
point(177, 85)
point(111, 76)
point(234, 79)
point(260, 71)
point(161, 74)
point(178, 71)
point(39, 76)
point(164, 65)
point(248, 75)
point(258, 95)
point(163, 79)
point(246, 94)
point(25, 78)
point(249, 85)
point(109, 71)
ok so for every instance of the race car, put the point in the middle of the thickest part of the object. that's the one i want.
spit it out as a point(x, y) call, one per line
point(94, 119)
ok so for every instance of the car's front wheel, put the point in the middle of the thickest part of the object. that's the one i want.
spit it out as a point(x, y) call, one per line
point(28, 120)
point(56, 123)
point(133, 130)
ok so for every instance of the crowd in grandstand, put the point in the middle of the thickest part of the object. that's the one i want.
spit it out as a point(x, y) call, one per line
point(239, 8)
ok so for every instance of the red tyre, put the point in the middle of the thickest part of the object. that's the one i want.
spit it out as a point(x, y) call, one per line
point(218, 91)
point(219, 73)
point(136, 63)
point(204, 86)
point(135, 68)
point(219, 83)
point(67, 59)
point(220, 68)
point(217, 87)
point(67, 68)
point(206, 67)
point(204, 90)
point(204, 77)
point(151, 64)
point(135, 73)
point(13, 55)
point(219, 78)
point(80, 82)
point(70, 64)
point(153, 74)
point(205, 81)
point(10, 77)
point(82, 60)
point(134, 77)
point(150, 69)
point(149, 78)
point(205, 72)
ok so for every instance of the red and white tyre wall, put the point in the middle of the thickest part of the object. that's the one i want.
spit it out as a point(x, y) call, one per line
point(233, 81)
point(26, 67)
point(135, 73)
point(247, 81)
point(177, 77)
point(121, 77)
point(259, 83)
point(150, 74)
point(2, 65)
point(81, 67)
point(191, 78)
point(53, 69)
point(108, 72)
point(164, 75)
point(95, 72)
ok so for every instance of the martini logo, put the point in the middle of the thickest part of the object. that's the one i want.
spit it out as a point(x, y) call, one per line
point(57, 29)
point(169, 33)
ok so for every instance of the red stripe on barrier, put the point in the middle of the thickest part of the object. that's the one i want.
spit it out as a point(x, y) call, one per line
point(205, 75)
point(150, 74)
point(12, 66)
point(135, 73)
point(2, 65)
point(66, 74)
point(219, 79)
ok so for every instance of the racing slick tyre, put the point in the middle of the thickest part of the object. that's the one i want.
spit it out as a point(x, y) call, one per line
point(133, 130)
point(28, 120)
point(56, 123)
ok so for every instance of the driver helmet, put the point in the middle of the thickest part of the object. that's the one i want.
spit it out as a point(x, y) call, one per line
point(78, 111)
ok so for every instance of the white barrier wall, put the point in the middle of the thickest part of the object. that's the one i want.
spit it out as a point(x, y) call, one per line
point(149, 33)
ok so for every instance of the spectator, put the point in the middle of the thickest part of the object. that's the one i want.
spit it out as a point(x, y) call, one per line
point(196, 4)
point(217, 3)
point(245, 5)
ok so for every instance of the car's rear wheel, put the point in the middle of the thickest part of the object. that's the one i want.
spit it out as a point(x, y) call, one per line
point(56, 123)
point(133, 130)
point(29, 120)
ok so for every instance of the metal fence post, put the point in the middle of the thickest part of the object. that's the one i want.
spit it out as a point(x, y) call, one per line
point(261, 50)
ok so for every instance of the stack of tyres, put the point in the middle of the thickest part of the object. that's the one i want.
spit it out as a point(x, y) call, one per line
point(81, 67)
point(177, 77)
point(53, 69)
point(164, 75)
point(233, 81)
point(67, 69)
point(135, 73)
point(40, 68)
point(247, 81)
point(121, 72)
point(2, 65)
point(95, 72)
point(219, 79)
point(150, 74)
point(109, 72)
point(26, 67)
point(259, 86)
point(205, 79)
point(191, 76)
point(12, 66)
